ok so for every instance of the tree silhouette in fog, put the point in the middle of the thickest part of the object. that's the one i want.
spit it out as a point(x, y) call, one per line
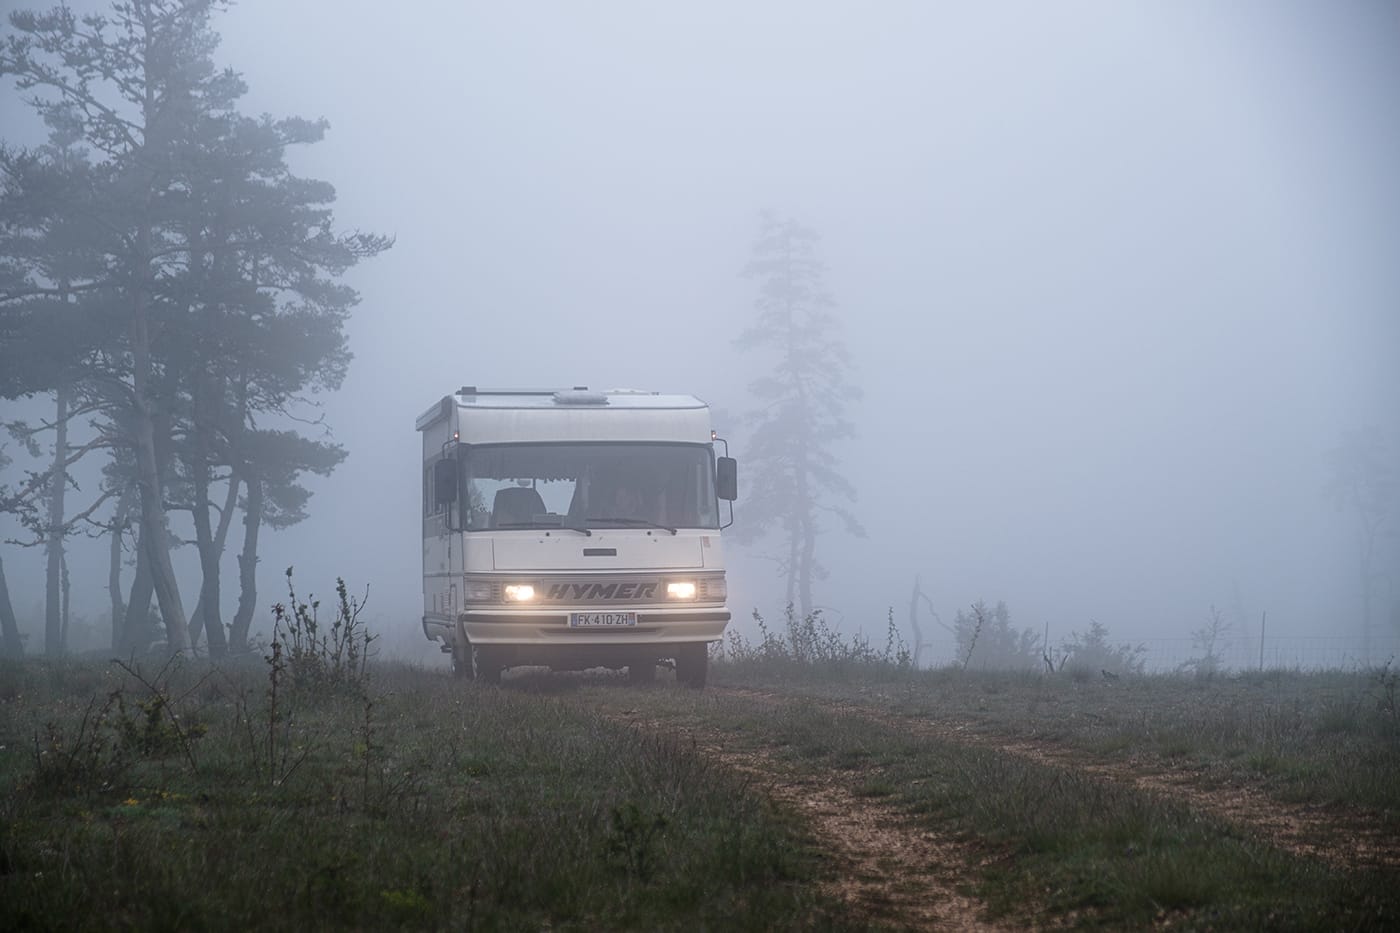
point(1365, 482)
point(799, 407)
point(200, 296)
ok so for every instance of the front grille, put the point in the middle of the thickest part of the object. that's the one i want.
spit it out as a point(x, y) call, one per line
point(619, 590)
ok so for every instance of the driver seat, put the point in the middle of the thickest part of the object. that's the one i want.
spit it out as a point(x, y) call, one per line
point(516, 504)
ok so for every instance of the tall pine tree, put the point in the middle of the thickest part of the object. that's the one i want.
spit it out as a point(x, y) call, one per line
point(215, 284)
point(796, 486)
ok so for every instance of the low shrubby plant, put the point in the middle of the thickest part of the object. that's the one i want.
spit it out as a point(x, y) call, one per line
point(145, 721)
point(317, 656)
point(988, 641)
point(811, 641)
point(1092, 655)
point(1208, 640)
point(1386, 680)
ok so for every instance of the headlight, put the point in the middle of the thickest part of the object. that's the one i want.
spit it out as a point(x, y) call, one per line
point(519, 592)
point(680, 590)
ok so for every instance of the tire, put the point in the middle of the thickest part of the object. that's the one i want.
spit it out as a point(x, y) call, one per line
point(486, 666)
point(461, 663)
point(641, 673)
point(470, 663)
point(692, 664)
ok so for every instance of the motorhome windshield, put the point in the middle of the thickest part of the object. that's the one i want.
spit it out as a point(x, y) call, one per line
point(589, 485)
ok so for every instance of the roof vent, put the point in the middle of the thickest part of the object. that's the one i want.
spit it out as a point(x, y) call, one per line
point(579, 397)
point(467, 390)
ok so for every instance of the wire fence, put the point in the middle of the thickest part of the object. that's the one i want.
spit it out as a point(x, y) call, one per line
point(1290, 652)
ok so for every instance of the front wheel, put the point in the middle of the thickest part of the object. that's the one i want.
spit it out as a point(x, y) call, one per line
point(488, 667)
point(472, 663)
point(462, 662)
point(692, 664)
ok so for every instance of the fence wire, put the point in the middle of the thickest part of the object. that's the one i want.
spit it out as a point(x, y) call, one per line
point(1292, 652)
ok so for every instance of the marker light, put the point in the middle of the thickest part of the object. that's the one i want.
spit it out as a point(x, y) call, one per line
point(682, 590)
point(478, 591)
point(519, 592)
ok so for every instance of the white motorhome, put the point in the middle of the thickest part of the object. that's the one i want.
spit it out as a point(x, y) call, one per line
point(573, 529)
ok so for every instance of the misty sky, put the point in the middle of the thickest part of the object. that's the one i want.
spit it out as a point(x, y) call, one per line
point(1114, 276)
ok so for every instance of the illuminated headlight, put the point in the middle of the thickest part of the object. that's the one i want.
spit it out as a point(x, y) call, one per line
point(479, 591)
point(519, 592)
point(680, 590)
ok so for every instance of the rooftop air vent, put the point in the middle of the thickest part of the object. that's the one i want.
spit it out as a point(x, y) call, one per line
point(579, 397)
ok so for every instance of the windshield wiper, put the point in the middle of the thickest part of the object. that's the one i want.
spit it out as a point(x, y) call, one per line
point(577, 528)
point(631, 521)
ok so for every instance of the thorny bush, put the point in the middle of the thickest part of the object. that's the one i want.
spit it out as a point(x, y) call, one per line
point(320, 657)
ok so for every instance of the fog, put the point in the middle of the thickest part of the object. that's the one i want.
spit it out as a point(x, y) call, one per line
point(1114, 277)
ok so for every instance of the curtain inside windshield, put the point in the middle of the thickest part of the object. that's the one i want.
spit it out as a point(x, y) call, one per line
point(590, 485)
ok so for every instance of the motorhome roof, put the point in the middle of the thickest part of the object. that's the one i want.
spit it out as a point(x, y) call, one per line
point(579, 396)
point(471, 398)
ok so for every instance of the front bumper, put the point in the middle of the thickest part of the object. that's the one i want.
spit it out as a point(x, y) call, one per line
point(655, 626)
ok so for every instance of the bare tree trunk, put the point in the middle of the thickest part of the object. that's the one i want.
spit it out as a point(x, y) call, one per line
point(804, 580)
point(11, 646)
point(58, 487)
point(792, 570)
point(211, 552)
point(114, 569)
point(208, 606)
point(247, 567)
point(65, 592)
point(154, 533)
point(136, 621)
point(914, 622)
point(220, 542)
point(804, 536)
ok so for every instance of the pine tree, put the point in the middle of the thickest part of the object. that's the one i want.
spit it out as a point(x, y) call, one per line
point(801, 407)
point(214, 295)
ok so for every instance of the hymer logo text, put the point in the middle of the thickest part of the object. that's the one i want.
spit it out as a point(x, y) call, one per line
point(579, 591)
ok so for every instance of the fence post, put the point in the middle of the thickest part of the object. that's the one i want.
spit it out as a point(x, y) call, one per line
point(1263, 617)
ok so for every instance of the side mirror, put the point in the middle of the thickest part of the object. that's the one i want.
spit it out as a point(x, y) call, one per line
point(445, 481)
point(727, 478)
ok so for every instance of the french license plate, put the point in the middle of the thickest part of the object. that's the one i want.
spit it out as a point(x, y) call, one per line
point(601, 619)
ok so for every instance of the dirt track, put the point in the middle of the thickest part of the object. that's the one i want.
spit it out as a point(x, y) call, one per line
point(891, 871)
point(900, 874)
point(1346, 838)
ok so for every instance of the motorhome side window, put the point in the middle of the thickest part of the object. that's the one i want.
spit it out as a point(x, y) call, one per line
point(517, 486)
point(432, 504)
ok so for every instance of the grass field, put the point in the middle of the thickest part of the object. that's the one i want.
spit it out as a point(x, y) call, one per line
point(1330, 737)
point(783, 797)
point(422, 804)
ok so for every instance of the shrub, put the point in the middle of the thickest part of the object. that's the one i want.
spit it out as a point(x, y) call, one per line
point(1092, 652)
point(811, 641)
point(315, 656)
point(1207, 640)
point(986, 639)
